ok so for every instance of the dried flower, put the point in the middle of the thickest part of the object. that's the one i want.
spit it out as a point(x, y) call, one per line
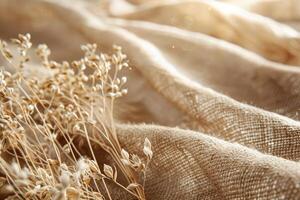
point(133, 186)
point(124, 154)
point(147, 149)
point(108, 171)
point(52, 120)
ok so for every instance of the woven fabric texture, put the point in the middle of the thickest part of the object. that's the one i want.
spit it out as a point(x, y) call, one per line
point(214, 85)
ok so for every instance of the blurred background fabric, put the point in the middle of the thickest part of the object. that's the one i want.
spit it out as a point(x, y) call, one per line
point(214, 85)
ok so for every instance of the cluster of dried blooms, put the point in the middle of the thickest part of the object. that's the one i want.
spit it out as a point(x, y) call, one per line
point(43, 123)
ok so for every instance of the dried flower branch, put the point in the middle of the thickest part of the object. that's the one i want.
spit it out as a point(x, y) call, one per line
point(41, 118)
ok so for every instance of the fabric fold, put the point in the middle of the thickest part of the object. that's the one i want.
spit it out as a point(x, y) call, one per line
point(264, 36)
point(236, 112)
point(209, 61)
point(193, 165)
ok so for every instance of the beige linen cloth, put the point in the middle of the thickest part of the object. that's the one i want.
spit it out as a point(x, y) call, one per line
point(214, 86)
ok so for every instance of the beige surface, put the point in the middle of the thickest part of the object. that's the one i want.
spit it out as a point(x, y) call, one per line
point(242, 109)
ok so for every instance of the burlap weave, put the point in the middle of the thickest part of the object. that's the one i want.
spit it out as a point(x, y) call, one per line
point(222, 118)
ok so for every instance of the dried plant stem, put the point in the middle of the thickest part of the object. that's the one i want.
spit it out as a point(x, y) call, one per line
point(40, 120)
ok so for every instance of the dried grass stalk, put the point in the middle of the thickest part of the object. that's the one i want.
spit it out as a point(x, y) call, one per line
point(45, 122)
